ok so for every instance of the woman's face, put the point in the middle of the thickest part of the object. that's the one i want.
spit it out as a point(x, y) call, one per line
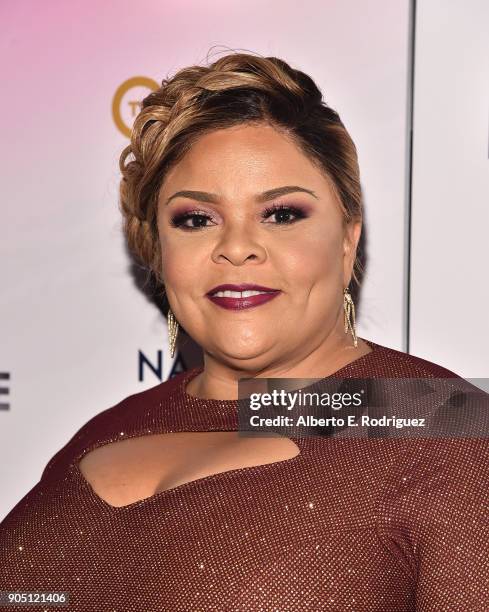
point(304, 251)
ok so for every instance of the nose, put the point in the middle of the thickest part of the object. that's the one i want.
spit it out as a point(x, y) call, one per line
point(238, 244)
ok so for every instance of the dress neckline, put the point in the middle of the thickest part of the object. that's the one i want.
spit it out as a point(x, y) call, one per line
point(189, 413)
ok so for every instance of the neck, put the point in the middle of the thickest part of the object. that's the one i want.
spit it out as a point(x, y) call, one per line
point(219, 380)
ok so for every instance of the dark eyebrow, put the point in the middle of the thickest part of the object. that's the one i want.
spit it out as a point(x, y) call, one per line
point(204, 196)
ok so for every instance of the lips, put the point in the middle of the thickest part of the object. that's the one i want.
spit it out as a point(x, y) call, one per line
point(236, 302)
point(240, 288)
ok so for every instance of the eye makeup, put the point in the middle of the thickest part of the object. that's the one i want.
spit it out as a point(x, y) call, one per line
point(178, 220)
point(285, 209)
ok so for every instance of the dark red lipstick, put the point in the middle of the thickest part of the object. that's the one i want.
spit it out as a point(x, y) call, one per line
point(235, 302)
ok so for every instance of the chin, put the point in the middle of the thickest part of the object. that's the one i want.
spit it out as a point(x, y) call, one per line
point(245, 359)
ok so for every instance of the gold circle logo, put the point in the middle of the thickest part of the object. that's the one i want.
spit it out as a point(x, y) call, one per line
point(138, 81)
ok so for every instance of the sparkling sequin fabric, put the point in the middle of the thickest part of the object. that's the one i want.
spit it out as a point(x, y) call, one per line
point(359, 525)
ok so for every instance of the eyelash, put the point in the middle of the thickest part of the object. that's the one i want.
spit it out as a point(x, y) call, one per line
point(179, 219)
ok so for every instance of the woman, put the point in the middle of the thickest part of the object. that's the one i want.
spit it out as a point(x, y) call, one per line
point(241, 193)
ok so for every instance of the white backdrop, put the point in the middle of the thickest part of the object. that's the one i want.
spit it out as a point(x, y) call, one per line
point(450, 214)
point(73, 322)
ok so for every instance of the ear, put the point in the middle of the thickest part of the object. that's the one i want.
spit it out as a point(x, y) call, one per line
point(353, 231)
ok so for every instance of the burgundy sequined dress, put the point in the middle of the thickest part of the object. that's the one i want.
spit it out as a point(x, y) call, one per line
point(353, 524)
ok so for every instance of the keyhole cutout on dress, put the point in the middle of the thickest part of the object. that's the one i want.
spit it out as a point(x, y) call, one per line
point(128, 471)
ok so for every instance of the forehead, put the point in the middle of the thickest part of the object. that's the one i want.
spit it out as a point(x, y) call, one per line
point(243, 160)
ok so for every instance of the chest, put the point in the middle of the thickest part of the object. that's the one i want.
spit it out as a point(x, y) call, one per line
point(130, 470)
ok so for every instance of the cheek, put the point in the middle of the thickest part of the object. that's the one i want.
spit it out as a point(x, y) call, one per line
point(314, 258)
point(182, 264)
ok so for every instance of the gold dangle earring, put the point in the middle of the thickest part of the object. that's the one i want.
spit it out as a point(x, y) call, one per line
point(172, 331)
point(349, 309)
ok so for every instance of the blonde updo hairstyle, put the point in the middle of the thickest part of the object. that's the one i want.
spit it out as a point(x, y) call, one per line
point(235, 89)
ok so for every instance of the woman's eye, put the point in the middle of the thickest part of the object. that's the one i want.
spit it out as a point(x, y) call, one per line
point(283, 214)
point(197, 221)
